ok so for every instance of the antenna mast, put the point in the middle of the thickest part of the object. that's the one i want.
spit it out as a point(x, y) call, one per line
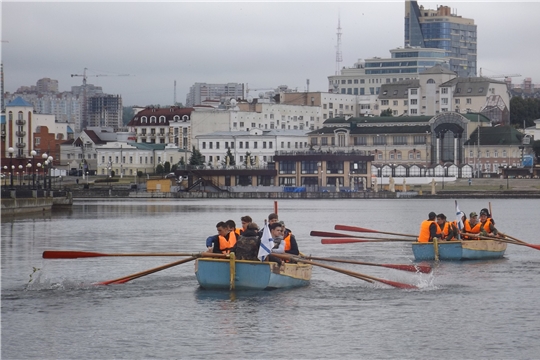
point(174, 103)
point(339, 57)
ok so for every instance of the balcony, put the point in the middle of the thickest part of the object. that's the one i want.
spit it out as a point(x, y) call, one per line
point(20, 145)
point(20, 133)
point(20, 122)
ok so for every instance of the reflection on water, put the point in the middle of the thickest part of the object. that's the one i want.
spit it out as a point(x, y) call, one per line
point(488, 309)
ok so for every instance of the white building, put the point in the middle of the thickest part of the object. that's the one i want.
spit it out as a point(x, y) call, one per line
point(261, 145)
point(200, 92)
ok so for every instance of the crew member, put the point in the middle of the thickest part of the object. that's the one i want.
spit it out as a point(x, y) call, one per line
point(247, 245)
point(226, 239)
point(487, 224)
point(246, 220)
point(428, 228)
point(291, 246)
point(472, 226)
point(445, 229)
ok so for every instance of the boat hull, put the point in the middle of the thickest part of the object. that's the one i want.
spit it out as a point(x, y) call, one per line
point(250, 275)
point(460, 250)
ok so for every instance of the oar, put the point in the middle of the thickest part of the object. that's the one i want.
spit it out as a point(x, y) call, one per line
point(347, 272)
point(66, 254)
point(413, 268)
point(334, 234)
point(349, 241)
point(125, 279)
point(510, 240)
point(359, 229)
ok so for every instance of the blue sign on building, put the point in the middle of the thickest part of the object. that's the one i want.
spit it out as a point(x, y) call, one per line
point(527, 161)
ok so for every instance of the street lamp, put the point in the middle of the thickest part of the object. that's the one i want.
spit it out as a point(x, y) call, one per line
point(50, 160)
point(29, 172)
point(21, 172)
point(38, 165)
point(5, 174)
point(87, 179)
point(44, 156)
point(33, 153)
point(11, 151)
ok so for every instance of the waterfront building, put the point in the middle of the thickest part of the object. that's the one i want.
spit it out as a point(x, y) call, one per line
point(443, 29)
point(105, 110)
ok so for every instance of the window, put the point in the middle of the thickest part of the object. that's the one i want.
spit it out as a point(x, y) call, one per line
point(131, 159)
point(384, 102)
point(288, 144)
point(414, 111)
point(217, 144)
point(405, 102)
point(247, 144)
point(379, 140)
point(253, 125)
point(270, 145)
point(360, 140)
point(395, 102)
point(241, 124)
point(254, 144)
point(431, 81)
point(487, 153)
point(331, 105)
point(324, 106)
point(419, 140)
point(324, 141)
point(264, 144)
point(334, 167)
point(414, 91)
point(414, 101)
point(496, 153)
point(444, 90)
point(283, 144)
point(287, 167)
point(457, 101)
point(210, 145)
point(469, 90)
point(241, 144)
point(469, 101)
point(480, 90)
point(310, 167)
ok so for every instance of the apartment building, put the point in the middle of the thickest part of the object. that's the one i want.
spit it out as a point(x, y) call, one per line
point(200, 92)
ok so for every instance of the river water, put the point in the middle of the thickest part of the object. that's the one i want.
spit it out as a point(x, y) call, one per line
point(463, 310)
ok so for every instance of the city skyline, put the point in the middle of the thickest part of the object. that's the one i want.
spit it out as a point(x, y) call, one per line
point(262, 44)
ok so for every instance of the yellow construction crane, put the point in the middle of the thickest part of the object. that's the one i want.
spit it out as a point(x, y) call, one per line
point(85, 103)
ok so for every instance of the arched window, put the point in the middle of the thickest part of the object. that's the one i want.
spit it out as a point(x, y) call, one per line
point(176, 117)
point(161, 119)
point(185, 117)
point(144, 119)
point(152, 119)
point(431, 81)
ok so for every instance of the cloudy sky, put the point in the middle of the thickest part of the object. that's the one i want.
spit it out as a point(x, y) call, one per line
point(259, 43)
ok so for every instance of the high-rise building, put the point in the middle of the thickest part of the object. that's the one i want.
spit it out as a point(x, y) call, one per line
point(47, 85)
point(441, 29)
point(200, 92)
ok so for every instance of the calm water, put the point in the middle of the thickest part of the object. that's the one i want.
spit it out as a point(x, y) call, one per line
point(472, 310)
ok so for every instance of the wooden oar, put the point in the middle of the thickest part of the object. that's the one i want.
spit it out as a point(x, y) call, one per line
point(349, 241)
point(66, 254)
point(334, 234)
point(359, 229)
point(347, 272)
point(412, 268)
point(510, 240)
point(127, 278)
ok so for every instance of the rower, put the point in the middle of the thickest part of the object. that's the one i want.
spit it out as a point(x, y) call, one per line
point(226, 239)
point(428, 229)
point(472, 226)
point(445, 229)
point(487, 225)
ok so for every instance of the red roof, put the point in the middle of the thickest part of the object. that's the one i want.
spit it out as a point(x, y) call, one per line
point(169, 113)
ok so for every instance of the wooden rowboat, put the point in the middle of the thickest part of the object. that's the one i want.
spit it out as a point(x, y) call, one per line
point(250, 275)
point(460, 250)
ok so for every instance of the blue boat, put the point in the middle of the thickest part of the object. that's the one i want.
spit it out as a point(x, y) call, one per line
point(250, 275)
point(460, 250)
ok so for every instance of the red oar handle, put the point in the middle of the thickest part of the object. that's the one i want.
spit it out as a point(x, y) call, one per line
point(62, 254)
point(343, 241)
point(355, 229)
point(326, 233)
point(412, 268)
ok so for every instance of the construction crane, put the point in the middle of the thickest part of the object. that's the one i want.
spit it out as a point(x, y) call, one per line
point(85, 103)
point(505, 76)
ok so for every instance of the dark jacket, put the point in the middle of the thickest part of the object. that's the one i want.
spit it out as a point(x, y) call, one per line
point(247, 245)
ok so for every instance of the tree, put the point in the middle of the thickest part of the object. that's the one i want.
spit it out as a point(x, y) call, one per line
point(536, 149)
point(249, 158)
point(196, 157)
point(524, 111)
point(159, 169)
point(167, 167)
point(140, 174)
point(229, 156)
point(387, 112)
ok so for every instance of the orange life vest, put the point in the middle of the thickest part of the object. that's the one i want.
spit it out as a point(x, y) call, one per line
point(472, 230)
point(424, 231)
point(238, 231)
point(486, 225)
point(226, 245)
point(287, 240)
point(445, 230)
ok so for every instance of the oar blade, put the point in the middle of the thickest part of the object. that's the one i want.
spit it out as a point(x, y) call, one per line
point(342, 241)
point(412, 268)
point(537, 247)
point(64, 254)
point(325, 233)
point(397, 284)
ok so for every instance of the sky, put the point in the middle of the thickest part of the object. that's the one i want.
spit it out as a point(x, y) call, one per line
point(263, 44)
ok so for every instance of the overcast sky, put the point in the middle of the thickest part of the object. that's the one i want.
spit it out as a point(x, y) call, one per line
point(262, 44)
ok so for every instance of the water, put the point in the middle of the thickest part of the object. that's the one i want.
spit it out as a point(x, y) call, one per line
point(469, 310)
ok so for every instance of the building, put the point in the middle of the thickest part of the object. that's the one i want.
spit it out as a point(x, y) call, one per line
point(105, 111)
point(47, 85)
point(442, 29)
point(199, 92)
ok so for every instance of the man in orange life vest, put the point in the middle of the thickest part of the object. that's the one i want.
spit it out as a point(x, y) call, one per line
point(445, 229)
point(291, 246)
point(428, 229)
point(471, 225)
point(226, 239)
point(487, 224)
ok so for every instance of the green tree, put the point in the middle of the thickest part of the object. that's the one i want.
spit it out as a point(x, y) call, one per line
point(140, 174)
point(249, 160)
point(112, 173)
point(524, 111)
point(536, 149)
point(229, 156)
point(167, 167)
point(196, 157)
point(128, 114)
point(159, 169)
point(387, 112)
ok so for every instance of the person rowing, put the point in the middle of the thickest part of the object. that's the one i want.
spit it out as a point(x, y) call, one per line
point(472, 225)
point(445, 229)
point(487, 224)
point(428, 229)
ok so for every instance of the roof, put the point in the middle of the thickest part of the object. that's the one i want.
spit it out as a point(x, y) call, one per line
point(147, 146)
point(69, 130)
point(398, 89)
point(471, 86)
point(275, 132)
point(379, 120)
point(475, 117)
point(497, 135)
point(19, 101)
point(438, 69)
point(377, 130)
point(168, 112)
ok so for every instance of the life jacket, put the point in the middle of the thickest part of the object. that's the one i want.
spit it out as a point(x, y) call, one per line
point(486, 225)
point(287, 240)
point(471, 230)
point(226, 245)
point(424, 235)
point(239, 231)
point(445, 230)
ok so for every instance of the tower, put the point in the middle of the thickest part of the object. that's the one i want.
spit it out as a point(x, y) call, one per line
point(339, 57)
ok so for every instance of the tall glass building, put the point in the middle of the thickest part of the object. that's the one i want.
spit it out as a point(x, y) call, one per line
point(440, 29)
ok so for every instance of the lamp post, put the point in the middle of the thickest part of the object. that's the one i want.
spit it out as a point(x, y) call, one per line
point(33, 153)
point(29, 172)
point(5, 174)
point(443, 175)
point(38, 165)
point(20, 172)
point(50, 160)
point(87, 179)
point(44, 156)
point(11, 151)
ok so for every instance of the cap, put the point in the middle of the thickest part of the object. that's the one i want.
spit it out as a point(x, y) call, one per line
point(484, 212)
point(473, 214)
